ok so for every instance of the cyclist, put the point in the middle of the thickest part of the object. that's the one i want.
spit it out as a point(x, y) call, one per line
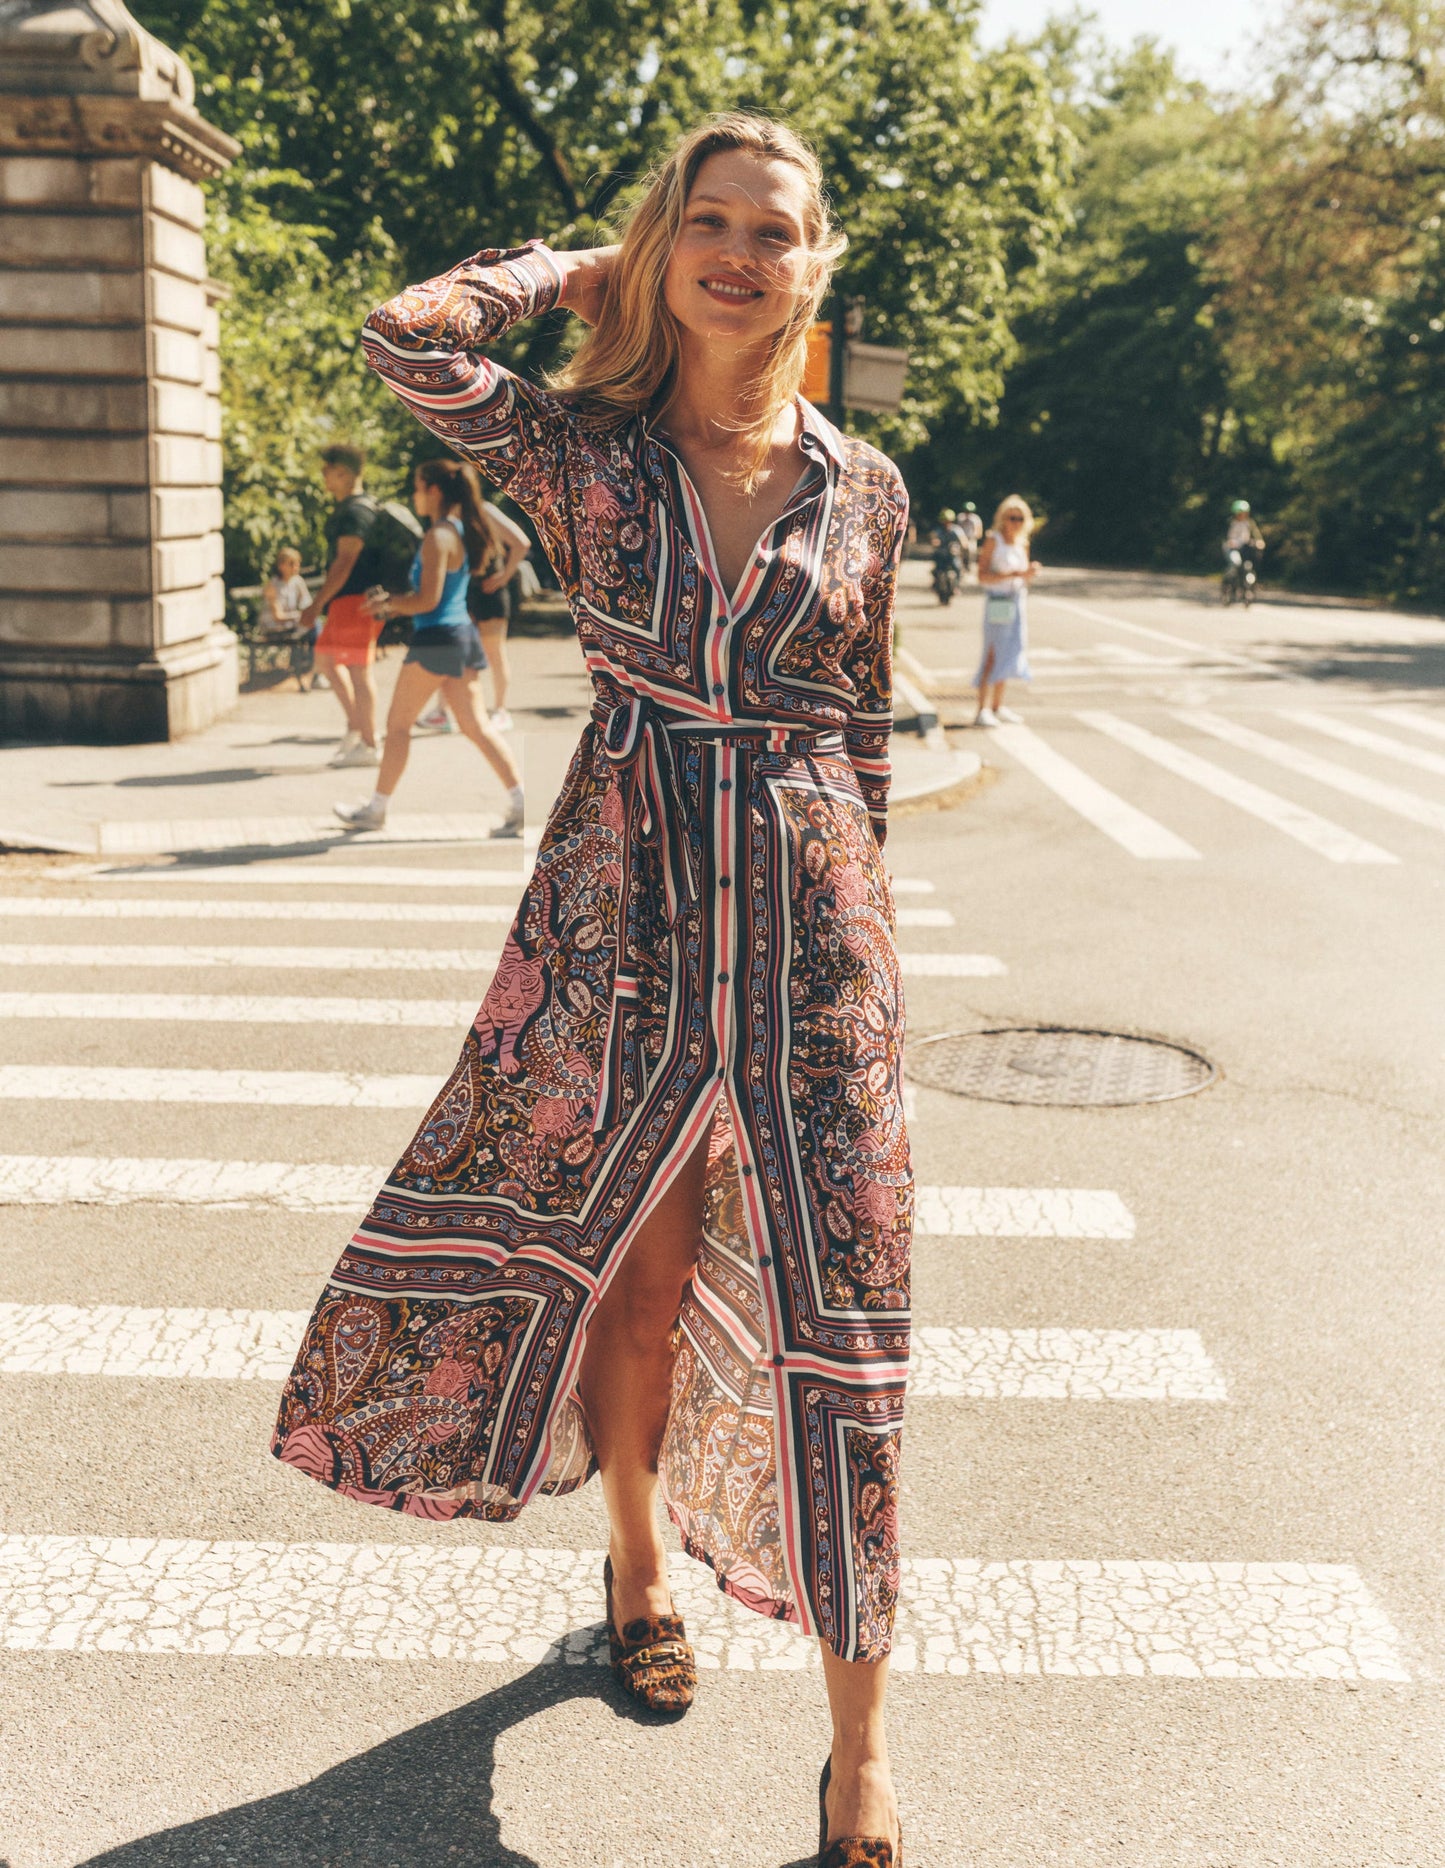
point(1243, 544)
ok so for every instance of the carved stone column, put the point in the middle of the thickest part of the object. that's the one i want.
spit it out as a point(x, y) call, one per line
point(110, 456)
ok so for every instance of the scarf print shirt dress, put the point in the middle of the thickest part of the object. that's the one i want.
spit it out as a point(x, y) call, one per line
point(704, 949)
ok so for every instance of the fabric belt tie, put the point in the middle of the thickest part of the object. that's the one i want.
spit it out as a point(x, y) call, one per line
point(638, 738)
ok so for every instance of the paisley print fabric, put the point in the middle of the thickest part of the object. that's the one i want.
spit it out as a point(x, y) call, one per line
point(704, 951)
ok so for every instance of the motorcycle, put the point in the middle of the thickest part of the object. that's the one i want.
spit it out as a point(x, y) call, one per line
point(1240, 578)
point(946, 573)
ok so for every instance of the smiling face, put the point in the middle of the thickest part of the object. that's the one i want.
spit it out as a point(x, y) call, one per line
point(740, 262)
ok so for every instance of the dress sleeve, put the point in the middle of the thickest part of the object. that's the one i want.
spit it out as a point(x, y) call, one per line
point(425, 346)
point(870, 668)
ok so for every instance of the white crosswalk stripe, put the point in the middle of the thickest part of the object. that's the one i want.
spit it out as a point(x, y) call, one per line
point(292, 1089)
point(260, 1345)
point(1063, 1365)
point(1139, 834)
point(121, 1340)
point(126, 1180)
point(1416, 718)
point(334, 960)
point(290, 959)
point(1023, 1213)
point(356, 915)
point(198, 1008)
point(1392, 798)
point(1307, 827)
point(950, 966)
point(517, 1606)
point(1351, 735)
point(330, 1187)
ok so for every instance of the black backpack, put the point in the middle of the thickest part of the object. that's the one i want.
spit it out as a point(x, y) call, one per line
point(392, 543)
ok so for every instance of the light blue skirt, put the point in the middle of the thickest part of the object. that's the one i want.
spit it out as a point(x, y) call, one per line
point(1008, 643)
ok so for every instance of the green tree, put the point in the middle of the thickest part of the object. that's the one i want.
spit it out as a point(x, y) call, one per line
point(422, 132)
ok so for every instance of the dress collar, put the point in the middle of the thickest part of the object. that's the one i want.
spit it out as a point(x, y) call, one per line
point(816, 434)
point(819, 433)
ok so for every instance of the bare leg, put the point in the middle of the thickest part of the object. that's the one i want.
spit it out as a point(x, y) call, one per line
point(860, 1794)
point(494, 641)
point(997, 701)
point(983, 682)
point(463, 696)
point(625, 1383)
point(414, 688)
point(364, 679)
point(338, 679)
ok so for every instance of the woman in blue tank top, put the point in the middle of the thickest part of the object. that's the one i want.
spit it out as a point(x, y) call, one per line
point(462, 539)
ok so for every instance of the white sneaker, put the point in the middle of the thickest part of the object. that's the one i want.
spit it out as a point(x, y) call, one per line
point(501, 721)
point(439, 720)
point(511, 824)
point(365, 816)
point(349, 742)
point(359, 754)
point(986, 717)
point(1009, 717)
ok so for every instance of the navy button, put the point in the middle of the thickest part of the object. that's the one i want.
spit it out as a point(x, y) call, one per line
point(724, 882)
point(722, 979)
point(763, 1261)
point(777, 1362)
point(717, 688)
point(747, 1170)
point(725, 784)
point(721, 1075)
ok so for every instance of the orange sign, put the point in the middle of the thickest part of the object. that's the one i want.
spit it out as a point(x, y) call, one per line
point(820, 351)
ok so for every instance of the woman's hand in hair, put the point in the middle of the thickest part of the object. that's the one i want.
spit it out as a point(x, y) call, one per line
point(584, 280)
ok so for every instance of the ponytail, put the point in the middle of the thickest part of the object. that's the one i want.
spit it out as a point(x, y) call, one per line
point(460, 487)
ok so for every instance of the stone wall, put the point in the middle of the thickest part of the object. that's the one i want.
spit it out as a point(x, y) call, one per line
point(110, 460)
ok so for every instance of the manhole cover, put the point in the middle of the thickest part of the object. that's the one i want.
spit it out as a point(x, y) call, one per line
point(1049, 1064)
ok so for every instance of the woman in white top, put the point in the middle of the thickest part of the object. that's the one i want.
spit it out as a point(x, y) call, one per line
point(1005, 571)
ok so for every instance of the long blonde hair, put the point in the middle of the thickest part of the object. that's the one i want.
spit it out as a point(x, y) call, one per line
point(627, 364)
point(1014, 504)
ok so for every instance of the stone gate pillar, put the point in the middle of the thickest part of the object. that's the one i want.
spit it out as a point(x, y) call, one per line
point(110, 457)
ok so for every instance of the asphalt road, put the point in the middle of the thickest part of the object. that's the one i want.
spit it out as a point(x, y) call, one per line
point(1173, 1507)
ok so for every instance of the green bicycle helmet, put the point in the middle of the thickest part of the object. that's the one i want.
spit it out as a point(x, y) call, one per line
point(947, 515)
point(1240, 505)
point(969, 506)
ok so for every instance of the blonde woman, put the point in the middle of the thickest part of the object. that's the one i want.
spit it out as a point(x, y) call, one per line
point(657, 1223)
point(1005, 570)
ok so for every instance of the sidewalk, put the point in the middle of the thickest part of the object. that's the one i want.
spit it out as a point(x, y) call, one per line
point(260, 780)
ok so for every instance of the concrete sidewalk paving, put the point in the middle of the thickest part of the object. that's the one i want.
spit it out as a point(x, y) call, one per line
point(260, 779)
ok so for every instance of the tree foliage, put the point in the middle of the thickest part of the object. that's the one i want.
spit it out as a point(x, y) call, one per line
point(420, 132)
point(1122, 295)
point(1249, 302)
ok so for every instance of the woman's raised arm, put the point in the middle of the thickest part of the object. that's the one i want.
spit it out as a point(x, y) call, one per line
point(425, 345)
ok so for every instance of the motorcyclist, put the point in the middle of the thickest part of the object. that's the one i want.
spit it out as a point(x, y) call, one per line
point(947, 556)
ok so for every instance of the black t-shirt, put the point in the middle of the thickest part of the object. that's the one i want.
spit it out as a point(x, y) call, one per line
point(353, 517)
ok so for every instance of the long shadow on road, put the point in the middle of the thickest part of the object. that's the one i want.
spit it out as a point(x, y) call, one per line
point(420, 1800)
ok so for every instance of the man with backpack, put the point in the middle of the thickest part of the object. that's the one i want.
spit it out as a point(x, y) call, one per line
point(367, 545)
